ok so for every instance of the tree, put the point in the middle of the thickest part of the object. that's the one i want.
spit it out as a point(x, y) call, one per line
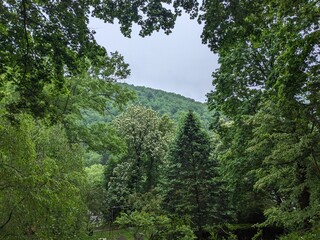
point(95, 197)
point(266, 89)
point(46, 92)
point(290, 170)
point(151, 226)
point(169, 103)
point(34, 67)
point(191, 175)
point(146, 137)
point(137, 169)
point(82, 110)
point(42, 182)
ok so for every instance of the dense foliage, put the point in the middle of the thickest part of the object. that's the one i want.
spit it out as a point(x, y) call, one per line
point(52, 74)
point(256, 175)
point(42, 182)
point(266, 90)
point(172, 104)
point(35, 68)
point(164, 103)
point(192, 188)
point(136, 170)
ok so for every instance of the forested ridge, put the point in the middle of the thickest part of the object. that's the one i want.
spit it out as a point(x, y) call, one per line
point(162, 102)
point(70, 171)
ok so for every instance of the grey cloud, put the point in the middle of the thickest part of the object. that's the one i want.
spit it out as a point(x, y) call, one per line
point(177, 63)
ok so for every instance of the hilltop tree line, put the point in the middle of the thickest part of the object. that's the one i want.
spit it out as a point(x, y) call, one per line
point(164, 103)
point(255, 174)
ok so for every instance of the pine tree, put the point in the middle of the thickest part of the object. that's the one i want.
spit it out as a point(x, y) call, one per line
point(191, 175)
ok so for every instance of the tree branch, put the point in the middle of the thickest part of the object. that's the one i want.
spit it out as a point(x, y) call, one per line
point(8, 220)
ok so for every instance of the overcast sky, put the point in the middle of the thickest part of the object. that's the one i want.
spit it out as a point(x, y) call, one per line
point(177, 63)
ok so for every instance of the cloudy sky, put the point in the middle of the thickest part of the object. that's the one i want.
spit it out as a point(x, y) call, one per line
point(177, 63)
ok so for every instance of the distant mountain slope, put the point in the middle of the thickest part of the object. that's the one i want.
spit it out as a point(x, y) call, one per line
point(171, 104)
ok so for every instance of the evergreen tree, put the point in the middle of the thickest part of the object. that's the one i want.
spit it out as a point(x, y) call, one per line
point(191, 175)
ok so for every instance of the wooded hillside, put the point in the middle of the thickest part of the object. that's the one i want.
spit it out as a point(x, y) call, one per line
point(168, 103)
point(79, 151)
point(162, 102)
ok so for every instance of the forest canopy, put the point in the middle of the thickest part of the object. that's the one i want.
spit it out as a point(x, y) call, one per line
point(255, 174)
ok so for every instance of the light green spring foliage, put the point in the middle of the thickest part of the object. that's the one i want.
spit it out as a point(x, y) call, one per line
point(95, 194)
point(95, 174)
point(88, 95)
point(42, 182)
point(142, 223)
point(155, 226)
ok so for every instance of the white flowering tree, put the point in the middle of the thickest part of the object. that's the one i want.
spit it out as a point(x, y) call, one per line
point(137, 170)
